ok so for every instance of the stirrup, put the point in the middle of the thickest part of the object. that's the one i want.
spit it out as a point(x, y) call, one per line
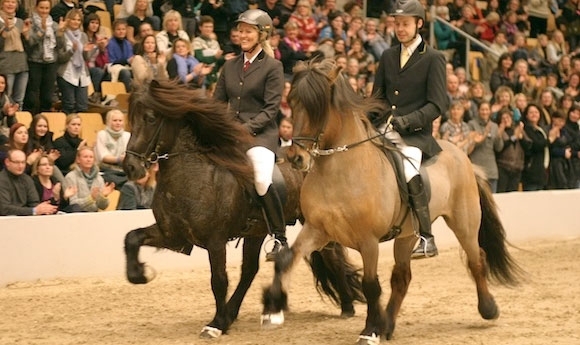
point(422, 252)
point(278, 246)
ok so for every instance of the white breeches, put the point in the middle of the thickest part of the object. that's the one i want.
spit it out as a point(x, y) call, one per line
point(263, 162)
point(413, 155)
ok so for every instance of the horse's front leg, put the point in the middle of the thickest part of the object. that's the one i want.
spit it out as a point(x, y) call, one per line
point(275, 297)
point(375, 322)
point(133, 242)
point(219, 287)
point(400, 280)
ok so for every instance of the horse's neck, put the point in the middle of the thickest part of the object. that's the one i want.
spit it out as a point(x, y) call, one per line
point(343, 130)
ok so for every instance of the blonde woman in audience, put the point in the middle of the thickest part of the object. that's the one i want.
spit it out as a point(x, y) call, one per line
point(148, 63)
point(504, 98)
point(172, 30)
point(520, 102)
point(523, 81)
point(92, 191)
point(307, 26)
point(556, 48)
point(111, 147)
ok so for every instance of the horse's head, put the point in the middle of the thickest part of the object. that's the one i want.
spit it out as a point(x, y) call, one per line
point(153, 133)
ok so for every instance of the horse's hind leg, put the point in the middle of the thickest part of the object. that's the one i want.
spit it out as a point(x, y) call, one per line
point(250, 266)
point(400, 280)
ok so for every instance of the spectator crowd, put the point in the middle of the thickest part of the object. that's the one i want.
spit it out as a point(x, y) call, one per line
point(517, 118)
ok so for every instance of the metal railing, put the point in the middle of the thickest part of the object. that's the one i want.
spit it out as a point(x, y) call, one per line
point(468, 39)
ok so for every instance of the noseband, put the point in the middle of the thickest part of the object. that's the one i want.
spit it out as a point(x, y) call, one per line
point(151, 156)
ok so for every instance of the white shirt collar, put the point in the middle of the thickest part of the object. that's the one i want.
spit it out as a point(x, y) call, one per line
point(413, 46)
point(253, 57)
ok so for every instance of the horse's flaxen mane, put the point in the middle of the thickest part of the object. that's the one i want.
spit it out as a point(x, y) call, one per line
point(319, 87)
point(219, 137)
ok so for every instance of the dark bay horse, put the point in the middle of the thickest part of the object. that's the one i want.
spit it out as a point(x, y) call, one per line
point(204, 192)
point(350, 195)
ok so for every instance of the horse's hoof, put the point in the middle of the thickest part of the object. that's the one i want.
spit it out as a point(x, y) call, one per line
point(210, 333)
point(372, 339)
point(269, 321)
point(138, 279)
point(346, 314)
point(489, 310)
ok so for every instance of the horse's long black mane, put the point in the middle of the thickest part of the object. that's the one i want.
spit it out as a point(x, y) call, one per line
point(319, 86)
point(218, 136)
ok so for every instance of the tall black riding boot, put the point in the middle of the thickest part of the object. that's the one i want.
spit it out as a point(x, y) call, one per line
point(275, 217)
point(426, 247)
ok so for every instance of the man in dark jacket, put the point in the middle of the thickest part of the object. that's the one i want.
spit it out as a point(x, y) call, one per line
point(18, 196)
point(411, 80)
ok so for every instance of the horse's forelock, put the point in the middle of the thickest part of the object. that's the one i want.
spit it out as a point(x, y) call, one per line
point(310, 93)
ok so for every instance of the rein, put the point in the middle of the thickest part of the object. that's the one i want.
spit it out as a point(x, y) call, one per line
point(149, 159)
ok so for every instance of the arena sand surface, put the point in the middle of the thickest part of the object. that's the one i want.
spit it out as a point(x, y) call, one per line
point(440, 308)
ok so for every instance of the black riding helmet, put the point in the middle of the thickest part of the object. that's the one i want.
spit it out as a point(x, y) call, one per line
point(409, 8)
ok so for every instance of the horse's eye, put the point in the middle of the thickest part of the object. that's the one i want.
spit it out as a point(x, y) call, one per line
point(150, 117)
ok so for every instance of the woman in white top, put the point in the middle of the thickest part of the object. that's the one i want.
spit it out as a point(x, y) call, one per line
point(111, 146)
point(172, 29)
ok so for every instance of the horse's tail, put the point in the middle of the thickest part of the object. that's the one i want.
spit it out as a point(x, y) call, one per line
point(492, 239)
point(335, 276)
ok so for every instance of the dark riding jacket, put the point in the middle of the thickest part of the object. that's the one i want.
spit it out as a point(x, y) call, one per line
point(417, 92)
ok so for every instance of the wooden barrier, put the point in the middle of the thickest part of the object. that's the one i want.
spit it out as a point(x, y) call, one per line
point(91, 244)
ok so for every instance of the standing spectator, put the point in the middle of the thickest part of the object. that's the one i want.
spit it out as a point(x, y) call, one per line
point(538, 13)
point(548, 106)
point(565, 103)
point(69, 143)
point(137, 195)
point(172, 30)
point(58, 12)
point(498, 47)
point(510, 161)
point(571, 17)
point(13, 62)
point(557, 47)
point(572, 128)
point(186, 68)
point(525, 82)
point(111, 147)
point(272, 7)
point(49, 188)
point(537, 160)
point(487, 142)
point(142, 13)
point(40, 142)
point(120, 52)
point(291, 48)
point(522, 22)
point(489, 28)
point(501, 76)
point(18, 195)
point(187, 9)
point(308, 28)
point(573, 88)
point(561, 173)
point(73, 75)
point(8, 110)
point(444, 35)
point(148, 63)
point(373, 41)
point(366, 62)
point(520, 103)
point(504, 98)
point(232, 47)
point(287, 7)
point(44, 43)
point(256, 106)
point(92, 191)
point(207, 50)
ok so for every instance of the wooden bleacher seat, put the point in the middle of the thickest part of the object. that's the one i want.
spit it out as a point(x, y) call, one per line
point(91, 124)
point(24, 117)
point(113, 201)
point(112, 88)
point(100, 5)
point(531, 43)
point(116, 10)
point(474, 68)
point(105, 18)
point(56, 123)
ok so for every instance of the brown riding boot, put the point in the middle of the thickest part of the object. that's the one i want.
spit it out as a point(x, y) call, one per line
point(426, 247)
point(276, 222)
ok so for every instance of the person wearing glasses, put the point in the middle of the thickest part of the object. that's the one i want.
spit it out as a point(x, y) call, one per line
point(18, 196)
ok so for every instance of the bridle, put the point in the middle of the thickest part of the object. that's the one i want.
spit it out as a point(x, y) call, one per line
point(153, 157)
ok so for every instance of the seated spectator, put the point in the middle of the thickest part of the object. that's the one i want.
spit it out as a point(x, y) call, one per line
point(456, 130)
point(571, 20)
point(73, 75)
point(232, 47)
point(285, 110)
point(489, 28)
point(509, 26)
point(373, 41)
point(44, 43)
point(308, 28)
point(120, 52)
point(8, 111)
point(69, 143)
point(291, 48)
point(564, 70)
point(148, 63)
point(49, 188)
point(111, 147)
point(206, 50)
point(499, 47)
point(334, 29)
point(537, 159)
point(476, 94)
point(556, 48)
point(17, 140)
point(133, 8)
point(487, 141)
point(18, 196)
point(521, 15)
point(366, 62)
point(97, 56)
point(445, 37)
point(520, 102)
point(285, 130)
point(137, 195)
point(92, 191)
point(510, 160)
point(537, 59)
point(353, 30)
point(223, 13)
point(172, 30)
point(143, 13)
point(565, 103)
point(40, 142)
point(573, 87)
point(552, 86)
point(184, 67)
point(13, 32)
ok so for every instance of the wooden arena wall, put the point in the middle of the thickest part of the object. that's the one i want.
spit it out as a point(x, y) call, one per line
point(91, 244)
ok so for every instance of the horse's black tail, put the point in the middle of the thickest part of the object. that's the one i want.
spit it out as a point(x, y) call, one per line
point(335, 276)
point(492, 239)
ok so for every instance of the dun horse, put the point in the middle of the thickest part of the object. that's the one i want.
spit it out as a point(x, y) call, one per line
point(204, 194)
point(351, 195)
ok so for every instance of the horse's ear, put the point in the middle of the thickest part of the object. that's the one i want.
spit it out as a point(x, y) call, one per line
point(155, 83)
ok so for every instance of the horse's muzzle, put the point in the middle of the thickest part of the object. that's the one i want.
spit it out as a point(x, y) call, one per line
point(133, 167)
point(299, 158)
